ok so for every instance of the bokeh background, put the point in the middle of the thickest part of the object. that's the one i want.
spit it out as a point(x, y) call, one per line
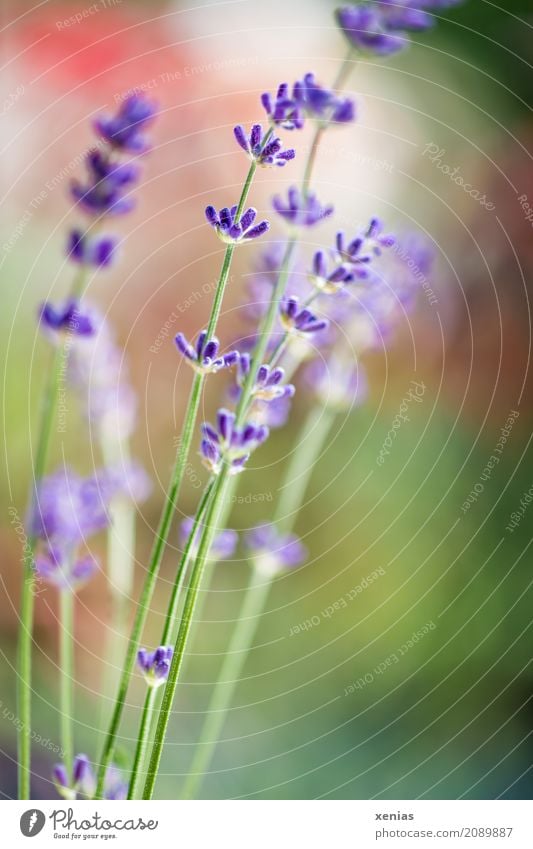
point(453, 718)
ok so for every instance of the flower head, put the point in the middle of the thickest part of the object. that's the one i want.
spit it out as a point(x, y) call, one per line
point(367, 30)
point(223, 545)
point(155, 665)
point(204, 356)
point(125, 131)
point(103, 194)
point(231, 231)
point(300, 321)
point(365, 246)
point(96, 251)
point(268, 385)
point(63, 572)
point(301, 210)
point(323, 104)
point(272, 551)
point(84, 781)
point(414, 15)
point(230, 442)
point(326, 281)
point(66, 318)
point(283, 110)
point(265, 154)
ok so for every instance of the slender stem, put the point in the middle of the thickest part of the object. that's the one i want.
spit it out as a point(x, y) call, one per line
point(345, 69)
point(184, 628)
point(168, 511)
point(315, 144)
point(142, 742)
point(309, 444)
point(242, 638)
point(146, 721)
point(66, 660)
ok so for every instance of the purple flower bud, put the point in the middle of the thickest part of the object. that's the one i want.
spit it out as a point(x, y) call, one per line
point(301, 321)
point(58, 569)
point(230, 443)
point(96, 251)
point(107, 180)
point(125, 130)
point(67, 319)
point(155, 665)
point(223, 546)
point(283, 110)
point(231, 231)
point(322, 104)
point(268, 154)
point(203, 357)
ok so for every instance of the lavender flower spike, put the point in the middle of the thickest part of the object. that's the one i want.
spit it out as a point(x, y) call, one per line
point(227, 442)
point(264, 154)
point(301, 210)
point(57, 569)
point(231, 231)
point(283, 110)
point(155, 665)
point(302, 322)
point(268, 385)
point(125, 130)
point(66, 318)
point(97, 252)
point(204, 356)
point(103, 194)
point(81, 772)
point(367, 30)
point(329, 282)
point(272, 552)
point(322, 104)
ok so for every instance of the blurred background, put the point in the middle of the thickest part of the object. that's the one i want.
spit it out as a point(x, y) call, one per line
point(452, 718)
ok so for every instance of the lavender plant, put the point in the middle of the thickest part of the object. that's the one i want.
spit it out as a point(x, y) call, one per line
point(309, 336)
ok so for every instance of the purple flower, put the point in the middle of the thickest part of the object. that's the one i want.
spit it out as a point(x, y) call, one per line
point(66, 318)
point(322, 104)
point(231, 231)
point(63, 572)
point(366, 29)
point(68, 509)
point(326, 281)
point(103, 194)
point(301, 210)
point(229, 442)
point(97, 251)
point(81, 775)
point(271, 551)
point(264, 154)
point(283, 110)
point(204, 356)
point(338, 382)
point(365, 246)
point(301, 321)
point(84, 780)
point(269, 384)
point(125, 130)
point(223, 546)
point(155, 665)
point(412, 15)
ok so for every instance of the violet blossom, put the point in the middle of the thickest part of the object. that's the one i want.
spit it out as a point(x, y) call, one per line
point(223, 545)
point(272, 551)
point(266, 152)
point(204, 356)
point(284, 110)
point(301, 210)
point(229, 230)
point(230, 443)
point(155, 665)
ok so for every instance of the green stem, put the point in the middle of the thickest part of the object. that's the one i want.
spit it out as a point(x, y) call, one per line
point(184, 628)
point(311, 159)
point(66, 660)
point(309, 445)
point(345, 70)
point(168, 510)
point(146, 721)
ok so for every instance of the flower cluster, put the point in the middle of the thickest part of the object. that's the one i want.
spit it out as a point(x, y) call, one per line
point(302, 209)
point(261, 148)
point(230, 443)
point(300, 321)
point(381, 27)
point(307, 99)
point(66, 319)
point(268, 385)
point(83, 780)
point(229, 230)
point(204, 356)
point(155, 665)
